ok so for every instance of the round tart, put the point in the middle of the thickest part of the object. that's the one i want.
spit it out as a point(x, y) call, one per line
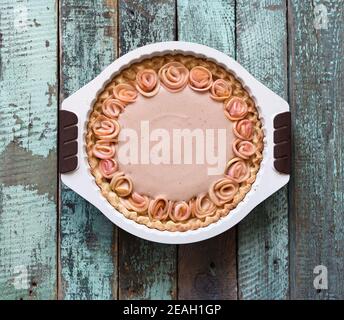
point(174, 142)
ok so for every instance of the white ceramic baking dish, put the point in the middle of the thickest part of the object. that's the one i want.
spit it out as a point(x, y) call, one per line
point(268, 181)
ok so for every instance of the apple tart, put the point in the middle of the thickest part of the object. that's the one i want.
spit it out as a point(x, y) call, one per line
point(174, 142)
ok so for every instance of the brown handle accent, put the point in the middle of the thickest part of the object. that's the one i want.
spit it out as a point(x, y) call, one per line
point(68, 145)
point(282, 140)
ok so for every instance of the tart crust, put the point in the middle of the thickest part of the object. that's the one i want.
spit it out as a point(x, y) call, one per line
point(128, 76)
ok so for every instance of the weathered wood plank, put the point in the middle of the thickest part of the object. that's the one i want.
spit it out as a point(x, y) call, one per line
point(88, 240)
point(263, 235)
point(147, 270)
point(208, 22)
point(28, 183)
point(317, 188)
point(207, 270)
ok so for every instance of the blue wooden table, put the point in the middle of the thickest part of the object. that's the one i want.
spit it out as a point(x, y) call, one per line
point(55, 245)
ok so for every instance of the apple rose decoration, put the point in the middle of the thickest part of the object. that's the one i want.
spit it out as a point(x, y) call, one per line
point(112, 107)
point(159, 208)
point(147, 82)
point(222, 191)
point(244, 129)
point(238, 170)
point(104, 149)
point(125, 92)
point(105, 128)
point(243, 149)
point(221, 90)
point(200, 79)
point(174, 76)
point(236, 109)
point(202, 206)
point(181, 211)
point(121, 184)
point(136, 202)
point(108, 167)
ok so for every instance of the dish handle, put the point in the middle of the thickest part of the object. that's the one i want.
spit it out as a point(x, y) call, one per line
point(68, 144)
point(282, 142)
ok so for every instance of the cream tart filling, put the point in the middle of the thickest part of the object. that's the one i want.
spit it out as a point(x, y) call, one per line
point(168, 93)
point(186, 109)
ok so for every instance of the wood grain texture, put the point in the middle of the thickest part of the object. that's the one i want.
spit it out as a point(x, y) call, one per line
point(88, 247)
point(263, 235)
point(143, 22)
point(27, 146)
point(211, 23)
point(147, 270)
point(317, 193)
point(207, 270)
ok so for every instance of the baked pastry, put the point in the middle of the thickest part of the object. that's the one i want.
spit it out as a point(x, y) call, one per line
point(132, 133)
